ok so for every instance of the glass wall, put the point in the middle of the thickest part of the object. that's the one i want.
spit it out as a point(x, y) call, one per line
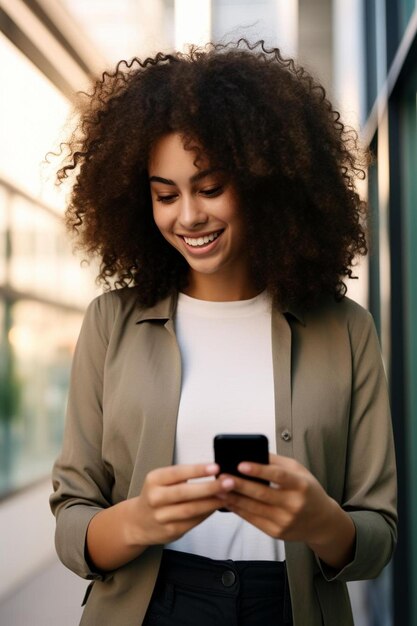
point(38, 342)
point(42, 288)
point(391, 34)
point(405, 10)
point(409, 183)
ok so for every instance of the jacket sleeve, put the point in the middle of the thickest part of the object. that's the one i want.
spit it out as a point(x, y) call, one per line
point(81, 483)
point(370, 480)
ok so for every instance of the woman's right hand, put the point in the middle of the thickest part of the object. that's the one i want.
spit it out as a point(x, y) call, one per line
point(170, 505)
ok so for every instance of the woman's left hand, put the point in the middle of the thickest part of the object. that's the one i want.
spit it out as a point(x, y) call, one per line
point(294, 507)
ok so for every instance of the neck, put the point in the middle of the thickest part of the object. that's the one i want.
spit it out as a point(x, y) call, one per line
point(220, 288)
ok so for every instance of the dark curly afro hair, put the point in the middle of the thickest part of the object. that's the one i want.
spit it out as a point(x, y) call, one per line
point(256, 115)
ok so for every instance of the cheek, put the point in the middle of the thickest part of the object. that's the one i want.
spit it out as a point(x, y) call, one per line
point(236, 221)
point(230, 211)
point(164, 224)
point(159, 219)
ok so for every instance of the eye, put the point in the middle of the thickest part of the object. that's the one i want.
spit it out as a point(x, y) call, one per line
point(166, 199)
point(212, 192)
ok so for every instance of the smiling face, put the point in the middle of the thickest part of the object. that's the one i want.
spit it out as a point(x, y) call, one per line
point(196, 210)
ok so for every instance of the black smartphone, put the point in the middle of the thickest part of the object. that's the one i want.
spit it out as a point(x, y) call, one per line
point(230, 450)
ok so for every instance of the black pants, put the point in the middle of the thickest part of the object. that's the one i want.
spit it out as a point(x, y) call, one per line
point(195, 591)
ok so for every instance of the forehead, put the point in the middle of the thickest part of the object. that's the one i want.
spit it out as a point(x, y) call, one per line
point(169, 156)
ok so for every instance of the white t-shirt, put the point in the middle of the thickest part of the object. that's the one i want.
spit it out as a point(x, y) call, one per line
point(227, 387)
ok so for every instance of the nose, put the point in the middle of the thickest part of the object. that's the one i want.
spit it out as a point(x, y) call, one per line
point(191, 214)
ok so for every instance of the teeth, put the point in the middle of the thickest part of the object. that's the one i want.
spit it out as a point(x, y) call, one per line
point(201, 241)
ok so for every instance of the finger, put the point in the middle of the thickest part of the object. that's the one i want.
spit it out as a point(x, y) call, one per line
point(186, 511)
point(251, 489)
point(186, 492)
point(181, 473)
point(250, 505)
point(282, 461)
point(272, 495)
point(285, 478)
point(263, 523)
point(287, 463)
point(177, 529)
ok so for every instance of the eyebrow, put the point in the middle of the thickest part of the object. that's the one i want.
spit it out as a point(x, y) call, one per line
point(194, 179)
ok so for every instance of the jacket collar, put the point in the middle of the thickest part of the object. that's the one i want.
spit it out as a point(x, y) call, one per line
point(164, 310)
point(295, 311)
point(161, 311)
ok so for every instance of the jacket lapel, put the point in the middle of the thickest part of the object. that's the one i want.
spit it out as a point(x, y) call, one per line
point(156, 448)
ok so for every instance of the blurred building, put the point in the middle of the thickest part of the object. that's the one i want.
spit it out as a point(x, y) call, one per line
point(365, 54)
point(391, 131)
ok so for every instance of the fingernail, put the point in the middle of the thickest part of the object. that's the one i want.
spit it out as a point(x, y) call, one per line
point(212, 468)
point(244, 467)
point(228, 483)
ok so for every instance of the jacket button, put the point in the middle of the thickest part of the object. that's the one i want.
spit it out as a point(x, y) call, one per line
point(286, 435)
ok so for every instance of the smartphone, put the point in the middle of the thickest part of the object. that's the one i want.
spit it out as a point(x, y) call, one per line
point(230, 450)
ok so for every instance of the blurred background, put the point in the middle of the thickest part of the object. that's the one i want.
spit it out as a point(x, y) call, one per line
point(365, 54)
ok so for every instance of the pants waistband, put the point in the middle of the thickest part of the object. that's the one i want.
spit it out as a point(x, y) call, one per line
point(257, 578)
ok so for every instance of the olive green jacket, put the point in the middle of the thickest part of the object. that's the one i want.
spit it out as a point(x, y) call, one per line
point(332, 415)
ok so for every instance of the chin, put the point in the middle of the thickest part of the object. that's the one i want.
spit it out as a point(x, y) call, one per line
point(205, 271)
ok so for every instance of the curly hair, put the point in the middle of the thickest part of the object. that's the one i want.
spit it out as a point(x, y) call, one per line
point(255, 114)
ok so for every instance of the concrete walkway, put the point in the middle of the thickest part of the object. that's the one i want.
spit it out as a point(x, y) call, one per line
point(52, 598)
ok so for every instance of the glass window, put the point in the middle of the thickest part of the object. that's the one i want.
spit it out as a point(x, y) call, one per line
point(41, 341)
point(4, 199)
point(44, 289)
point(41, 261)
point(254, 19)
point(409, 139)
point(406, 8)
point(29, 126)
point(373, 238)
point(371, 54)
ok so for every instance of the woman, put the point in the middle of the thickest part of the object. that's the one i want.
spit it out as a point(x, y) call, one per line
point(218, 189)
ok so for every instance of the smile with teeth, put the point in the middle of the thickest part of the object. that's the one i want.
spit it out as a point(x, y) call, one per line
point(198, 242)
